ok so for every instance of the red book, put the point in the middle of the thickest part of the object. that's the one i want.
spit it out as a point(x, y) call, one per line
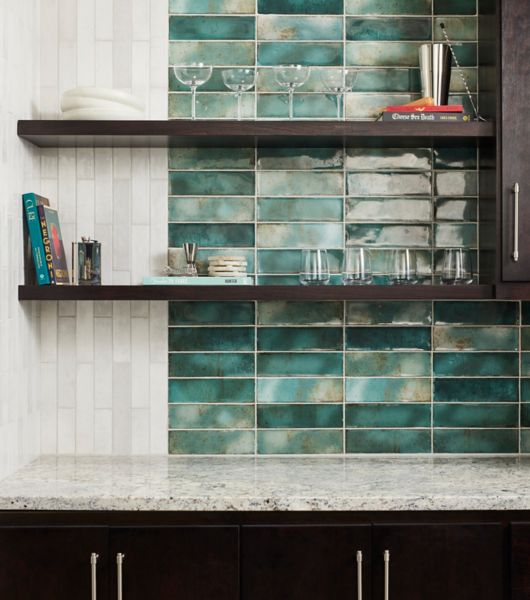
point(449, 108)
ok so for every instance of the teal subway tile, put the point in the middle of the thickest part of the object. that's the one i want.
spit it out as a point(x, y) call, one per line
point(211, 313)
point(388, 441)
point(211, 365)
point(306, 106)
point(525, 364)
point(208, 7)
point(282, 28)
point(476, 364)
point(299, 338)
point(456, 183)
point(307, 363)
point(299, 209)
point(292, 280)
point(388, 312)
point(388, 7)
point(466, 53)
point(525, 390)
point(390, 30)
point(461, 29)
point(212, 53)
point(211, 106)
point(211, 183)
point(369, 107)
point(525, 441)
point(525, 338)
point(387, 54)
point(217, 339)
point(211, 235)
point(525, 415)
point(478, 441)
point(476, 313)
point(211, 390)
point(299, 235)
point(476, 390)
point(388, 80)
point(389, 236)
point(457, 83)
point(300, 53)
point(301, 7)
point(525, 313)
point(380, 389)
point(389, 184)
point(296, 183)
point(210, 208)
point(300, 442)
point(455, 7)
point(197, 416)
point(476, 338)
point(388, 338)
point(476, 415)
point(203, 255)
point(298, 391)
point(211, 442)
point(307, 416)
point(397, 159)
point(393, 364)
point(389, 209)
point(288, 261)
point(283, 159)
point(211, 28)
point(464, 157)
point(456, 209)
point(455, 236)
point(211, 158)
point(300, 313)
point(388, 415)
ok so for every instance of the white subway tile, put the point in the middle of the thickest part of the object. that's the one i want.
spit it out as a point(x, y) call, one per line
point(159, 409)
point(85, 409)
point(121, 330)
point(66, 431)
point(140, 426)
point(121, 409)
point(66, 362)
point(104, 59)
point(86, 48)
point(104, 19)
point(85, 332)
point(140, 363)
point(103, 431)
point(103, 344)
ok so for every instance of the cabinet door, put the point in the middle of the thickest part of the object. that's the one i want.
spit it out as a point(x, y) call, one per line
point(304, 562)
point(188, 563)
point(40, 563)
point(515, 137)
point(438, 562)
point(520, 563)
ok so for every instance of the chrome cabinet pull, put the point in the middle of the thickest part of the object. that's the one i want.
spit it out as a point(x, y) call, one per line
point(359, 575)
point(515, 255)
point(93, 575)
point(387, 574)
point(119, 566)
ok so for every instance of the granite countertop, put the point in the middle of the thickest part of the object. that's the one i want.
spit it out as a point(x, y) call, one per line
point(268, 484)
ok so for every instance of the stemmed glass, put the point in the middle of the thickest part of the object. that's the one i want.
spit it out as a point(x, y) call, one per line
point(291, 77)
point(339, 81)
point(239, 81)
point(193, 76)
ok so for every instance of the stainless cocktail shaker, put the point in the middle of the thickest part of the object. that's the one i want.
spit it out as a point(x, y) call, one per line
point(435, 65)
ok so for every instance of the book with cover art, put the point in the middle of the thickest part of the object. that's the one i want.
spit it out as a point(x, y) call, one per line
point(53, 246)
point(35, 269)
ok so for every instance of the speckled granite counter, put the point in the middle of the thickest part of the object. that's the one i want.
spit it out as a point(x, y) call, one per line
point(268, 484)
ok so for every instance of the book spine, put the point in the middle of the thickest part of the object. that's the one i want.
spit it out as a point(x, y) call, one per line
point(35, 235)
point(449, 108)
point(425, 117)
point(48, 257)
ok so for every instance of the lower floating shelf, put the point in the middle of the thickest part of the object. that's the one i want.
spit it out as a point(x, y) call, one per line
point(251, 292)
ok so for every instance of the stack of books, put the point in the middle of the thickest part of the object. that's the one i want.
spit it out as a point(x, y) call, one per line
point(451, 113)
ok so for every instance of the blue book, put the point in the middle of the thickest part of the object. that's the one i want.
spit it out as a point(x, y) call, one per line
point(31, 203)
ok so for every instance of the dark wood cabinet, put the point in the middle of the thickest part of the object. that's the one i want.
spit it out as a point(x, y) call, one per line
point(520, 561)
point(304, 562)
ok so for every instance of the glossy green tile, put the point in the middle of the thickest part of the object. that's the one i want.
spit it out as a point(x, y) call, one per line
point(211, 313)
point(388, 441)
point(388, 415)
point(308, 416)
point(389, 209)
point(456, 209)
point(276, 27)
point(394, 364)
point(305, 390)
point(388, 338)
point(398, 159)
point(193, 416)
point(299, 338)
point(210, 158)
point(210, 208)
point(300, 209)
point(525, 313)
point(461, 29)
point(369, 107)
point(525, 364)
point(391, 30)
point(211, 365)
point(211, 183)
point(209, 7)
point(212, 53)
point(475, 338)
point(525, 415)
point(388, 7)
point(211, 28)
point(288, 261)
point(389, 236)
point(388, 390)
point(389, 184)
point(299, 235)
point(300, 313)
point(211, 442)
point(525, 441)
point(301, 7)
point(211, 390)
point(296, 183)
point(466, 52)
point(306, 106)
point(455, 158)
point(457, 84)
point(388, 80)
point(211, 235)
point(478, 441)
point(476, 313)
point(476, 390)
point(211, 106)
point(300, 442)
point(309, 363)
point(476, 415)
point(456, 236)
point(284, 159)
point(217, 339)
point(454, 183)
point(525, 390)
point(473, 364)
point(300, 53)
point(377, 54)
point(388, 312)
point(455, 7)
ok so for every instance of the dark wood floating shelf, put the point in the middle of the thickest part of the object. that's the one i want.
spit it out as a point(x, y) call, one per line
point(218, 133)
point(273, 292)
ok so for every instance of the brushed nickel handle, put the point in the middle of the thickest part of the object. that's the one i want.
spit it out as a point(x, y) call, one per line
point(516, 191)
point(359, 575)
point(119, 566)
point(93, 575)
point(387, 574)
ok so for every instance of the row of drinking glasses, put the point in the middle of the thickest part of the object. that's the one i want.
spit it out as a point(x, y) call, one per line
point(403, 269)
point(288, 77)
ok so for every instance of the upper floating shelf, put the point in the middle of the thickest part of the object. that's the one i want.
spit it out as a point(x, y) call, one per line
point(182, 133)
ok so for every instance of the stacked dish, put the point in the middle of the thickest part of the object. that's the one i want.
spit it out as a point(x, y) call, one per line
point(227, 266)
point(96, 103)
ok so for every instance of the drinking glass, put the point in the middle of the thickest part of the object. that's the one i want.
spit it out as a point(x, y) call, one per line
point(291, 77)
point(314, 267)
point(404, 267)
point(193, 76)
point(357, 269)
point(457, 267)
point(339, 81)
point(239, 81)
